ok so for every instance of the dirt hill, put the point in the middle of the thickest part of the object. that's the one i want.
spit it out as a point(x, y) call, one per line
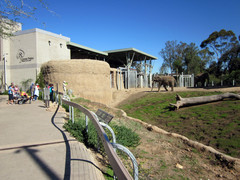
point(163, 155)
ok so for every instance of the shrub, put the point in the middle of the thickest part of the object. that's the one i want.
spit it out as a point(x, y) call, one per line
point(124, 136)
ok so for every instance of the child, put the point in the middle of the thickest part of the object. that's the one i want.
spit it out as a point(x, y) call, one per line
point(10, 94)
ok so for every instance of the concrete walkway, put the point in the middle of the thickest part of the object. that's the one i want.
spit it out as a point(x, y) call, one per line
point(33, 145)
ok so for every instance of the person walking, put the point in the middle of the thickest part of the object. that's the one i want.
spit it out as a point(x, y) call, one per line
point(10, 94)
point(51, 92)
point(32, 90)
point(36, 92)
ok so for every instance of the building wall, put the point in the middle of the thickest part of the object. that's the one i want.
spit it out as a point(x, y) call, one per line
point(28, 50)
point(5, 58)
point(5, 49)
point(51, 47)
point(23, 59)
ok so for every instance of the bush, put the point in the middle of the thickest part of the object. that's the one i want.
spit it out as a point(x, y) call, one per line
point(78, 130)
point(4, 93)
point(124, 136)
point(66, 107)
point(235, 75)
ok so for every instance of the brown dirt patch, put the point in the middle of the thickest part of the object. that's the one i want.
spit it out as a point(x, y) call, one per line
point(161, 156)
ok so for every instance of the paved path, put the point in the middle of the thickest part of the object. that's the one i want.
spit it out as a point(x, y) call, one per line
point(33, 145)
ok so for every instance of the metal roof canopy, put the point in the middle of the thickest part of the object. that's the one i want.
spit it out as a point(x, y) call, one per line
point(125, 57)
point(81, 52)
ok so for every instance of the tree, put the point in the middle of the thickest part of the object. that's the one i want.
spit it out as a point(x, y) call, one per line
point(206, 58)
point(183, 57)
point(231, 59)
point(11, 11)
point(169, 54)
point(163, 69)
point(218, 44)
point(191, 59)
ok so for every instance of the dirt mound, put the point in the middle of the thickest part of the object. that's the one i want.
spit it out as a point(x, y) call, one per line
point(89, 79)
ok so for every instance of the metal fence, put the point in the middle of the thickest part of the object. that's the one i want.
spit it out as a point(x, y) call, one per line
point(118, 167)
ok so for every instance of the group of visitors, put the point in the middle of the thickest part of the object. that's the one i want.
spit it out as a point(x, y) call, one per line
point(14, 92)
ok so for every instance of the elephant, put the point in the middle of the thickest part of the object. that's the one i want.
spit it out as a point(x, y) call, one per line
point(202, 78)
point(165, 81)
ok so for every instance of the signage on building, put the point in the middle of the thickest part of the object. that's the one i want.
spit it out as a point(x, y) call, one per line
point(22, 58)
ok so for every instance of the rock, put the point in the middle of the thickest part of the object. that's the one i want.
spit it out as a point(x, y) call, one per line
point(179, 166)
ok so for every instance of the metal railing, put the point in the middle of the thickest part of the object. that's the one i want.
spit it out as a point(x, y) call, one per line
point(118, 167)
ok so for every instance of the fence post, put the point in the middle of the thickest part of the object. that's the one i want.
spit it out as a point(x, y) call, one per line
point(72, 114)
point(133, 159)
point(192, 80)
point(86, 120)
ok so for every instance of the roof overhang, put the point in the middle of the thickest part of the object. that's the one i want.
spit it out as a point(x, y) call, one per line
point(139, 55)
point(83, 50)
point(125, 57)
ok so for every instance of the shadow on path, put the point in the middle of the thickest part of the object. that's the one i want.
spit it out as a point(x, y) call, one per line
point(44, 167)
point(67, 172)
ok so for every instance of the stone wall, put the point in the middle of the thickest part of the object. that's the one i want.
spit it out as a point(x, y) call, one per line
point(89, 79)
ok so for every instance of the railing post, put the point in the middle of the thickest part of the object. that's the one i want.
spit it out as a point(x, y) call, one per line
point(112, 132)
point(118, 167)
point(72, 114)
point(133, 159)
point(86, 120)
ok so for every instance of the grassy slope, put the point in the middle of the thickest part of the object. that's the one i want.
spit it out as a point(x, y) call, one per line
point(158, 155)
point(215, 124)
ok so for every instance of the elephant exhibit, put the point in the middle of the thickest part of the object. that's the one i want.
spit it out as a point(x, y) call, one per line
point(165, 81)
point(201, 78)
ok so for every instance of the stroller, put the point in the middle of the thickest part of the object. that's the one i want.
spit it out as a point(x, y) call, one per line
point(22, 98)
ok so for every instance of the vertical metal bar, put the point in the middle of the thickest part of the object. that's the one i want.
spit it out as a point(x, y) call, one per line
point(72, 114)
point(70, 110)
point(86, 120)
point(133, 159)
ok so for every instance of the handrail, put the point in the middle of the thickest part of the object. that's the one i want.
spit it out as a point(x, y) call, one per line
point(119, 169)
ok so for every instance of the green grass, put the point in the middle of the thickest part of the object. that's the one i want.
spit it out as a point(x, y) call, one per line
point(216, 124)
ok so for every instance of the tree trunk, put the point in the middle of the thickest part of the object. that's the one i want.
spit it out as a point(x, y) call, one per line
point(202, 99)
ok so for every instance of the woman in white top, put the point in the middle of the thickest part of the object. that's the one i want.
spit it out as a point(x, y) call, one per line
point(36, 92)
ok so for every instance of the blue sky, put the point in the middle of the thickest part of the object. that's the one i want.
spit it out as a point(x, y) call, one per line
point(143, 24)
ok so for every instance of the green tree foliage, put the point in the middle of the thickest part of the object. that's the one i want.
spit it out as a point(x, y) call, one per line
point(192, 61)
point(40, 80)
point(183, 57)
point(231, 59)
point(169, 54)
point(220, 42)
point(223, 46)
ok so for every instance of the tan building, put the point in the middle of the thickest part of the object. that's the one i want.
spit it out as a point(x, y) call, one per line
point(23, 54)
